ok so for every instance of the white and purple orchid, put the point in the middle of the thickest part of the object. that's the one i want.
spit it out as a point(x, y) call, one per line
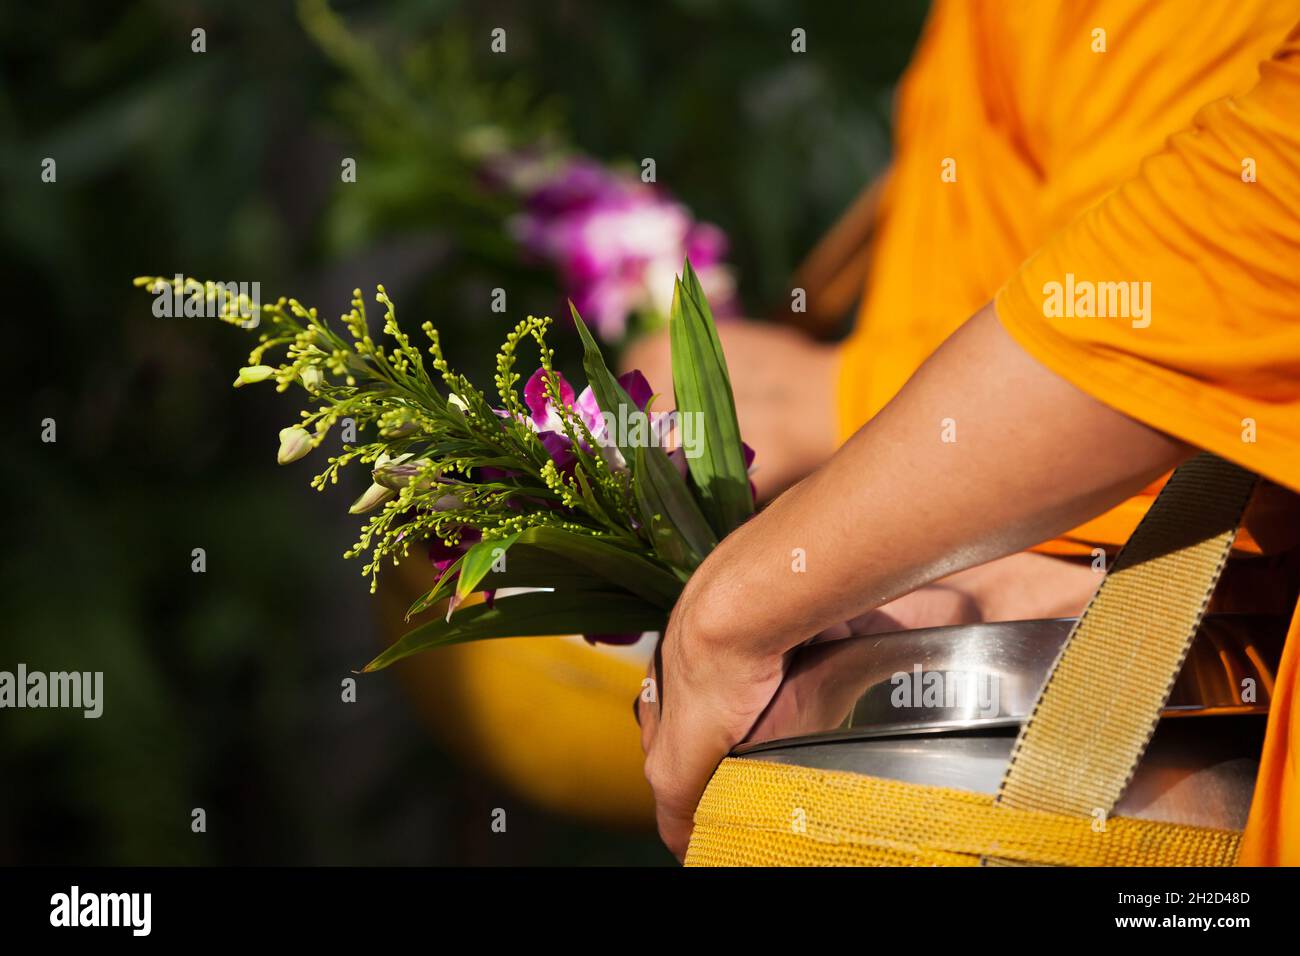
point(615, 241)
point(545, 419)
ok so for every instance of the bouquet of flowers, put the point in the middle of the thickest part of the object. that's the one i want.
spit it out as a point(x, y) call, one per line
point(593, 509)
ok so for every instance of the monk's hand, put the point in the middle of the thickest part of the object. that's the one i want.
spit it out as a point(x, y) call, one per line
point(711, 683)
point(725, 678)
point(892, 511)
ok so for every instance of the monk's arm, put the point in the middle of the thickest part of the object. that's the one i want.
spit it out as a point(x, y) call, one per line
point(983, 453)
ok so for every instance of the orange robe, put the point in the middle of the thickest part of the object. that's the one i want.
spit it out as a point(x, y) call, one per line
point(1038, 125)
point(1210, 229)
point(1016, 119)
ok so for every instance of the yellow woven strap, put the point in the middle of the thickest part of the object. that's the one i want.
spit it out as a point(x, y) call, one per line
point(1099, 707)
point(756, 813)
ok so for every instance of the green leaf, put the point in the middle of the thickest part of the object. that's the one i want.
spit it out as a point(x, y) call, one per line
point(477, 562)
point(626, 570)
point(530, 615)
point(442, 588)
point(589, 497)
point(664, 538)
point(609, 394)
point(554, 558)
point(681, 533)
point(702, 386)
point(666, 492)
point(532, 567)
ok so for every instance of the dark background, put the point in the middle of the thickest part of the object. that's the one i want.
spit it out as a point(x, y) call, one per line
point(225, 164)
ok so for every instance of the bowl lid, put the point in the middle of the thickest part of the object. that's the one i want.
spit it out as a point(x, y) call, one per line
point(969, 676)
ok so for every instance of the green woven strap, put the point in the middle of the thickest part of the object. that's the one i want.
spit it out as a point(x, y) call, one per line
point(1098, 709)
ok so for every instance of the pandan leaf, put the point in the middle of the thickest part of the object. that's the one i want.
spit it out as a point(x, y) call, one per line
point(442, 588)
point(681, 532)
point(622, 569)
point(530, 567)
point(609, 394)
point(530, 615)
point(554, 558)
point(702, 386)
point(665, 489)
point(477, 562)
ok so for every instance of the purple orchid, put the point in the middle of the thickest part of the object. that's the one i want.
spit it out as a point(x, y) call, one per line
point(616, 242)
point(545, 419)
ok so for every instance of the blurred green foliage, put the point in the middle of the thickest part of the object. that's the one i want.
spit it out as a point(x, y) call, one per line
point(223, 687)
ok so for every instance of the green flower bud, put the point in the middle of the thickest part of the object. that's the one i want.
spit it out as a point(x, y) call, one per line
point(251, 374)
point(375, 496)
point(398, 473)
point(295, 442)
point(312, 378)
point(386, 459)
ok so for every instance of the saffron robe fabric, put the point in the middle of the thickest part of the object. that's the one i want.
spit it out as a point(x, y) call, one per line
point(1153, 144)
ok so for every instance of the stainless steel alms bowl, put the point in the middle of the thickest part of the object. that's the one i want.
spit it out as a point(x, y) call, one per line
point(942, 706)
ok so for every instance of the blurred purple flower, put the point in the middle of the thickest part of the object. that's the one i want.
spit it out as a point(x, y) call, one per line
point(616, 242)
